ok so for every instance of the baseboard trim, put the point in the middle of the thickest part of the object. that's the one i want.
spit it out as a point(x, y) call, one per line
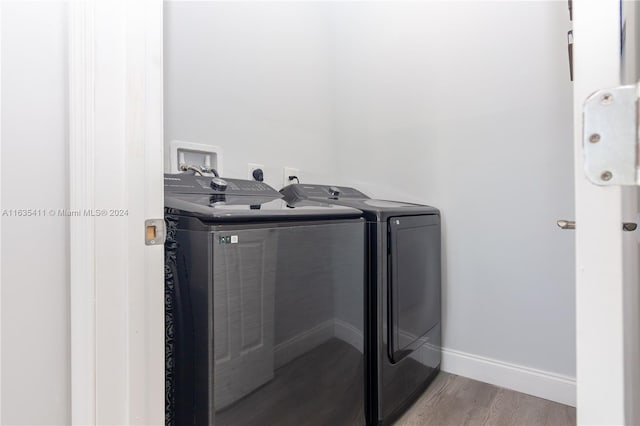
point(542, 384)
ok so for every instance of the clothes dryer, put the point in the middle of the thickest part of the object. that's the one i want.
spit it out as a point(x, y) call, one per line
point(403, 293)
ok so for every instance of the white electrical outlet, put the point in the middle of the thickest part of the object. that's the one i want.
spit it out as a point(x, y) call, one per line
point(290, 171)
point(252, 167)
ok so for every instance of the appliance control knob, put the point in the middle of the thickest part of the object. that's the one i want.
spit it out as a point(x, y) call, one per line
point(218, 184)
point(334, 191)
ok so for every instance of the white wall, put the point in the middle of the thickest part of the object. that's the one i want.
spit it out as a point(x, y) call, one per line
point(35, 292)
point(467, 107)
point(254, 79)
point(462, 105)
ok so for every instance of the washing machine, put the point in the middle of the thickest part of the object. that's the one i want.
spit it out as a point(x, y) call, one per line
point(403, 293)
point(264, 304)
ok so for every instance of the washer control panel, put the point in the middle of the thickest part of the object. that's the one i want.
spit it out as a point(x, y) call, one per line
point(190, 184)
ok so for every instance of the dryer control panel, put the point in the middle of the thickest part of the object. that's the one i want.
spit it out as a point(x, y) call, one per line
point(303, 191)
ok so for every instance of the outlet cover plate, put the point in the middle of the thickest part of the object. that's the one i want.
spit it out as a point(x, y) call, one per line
point(290, 171)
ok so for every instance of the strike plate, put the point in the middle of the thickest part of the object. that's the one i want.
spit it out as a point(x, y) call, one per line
point(610, 136)
point(154, 232)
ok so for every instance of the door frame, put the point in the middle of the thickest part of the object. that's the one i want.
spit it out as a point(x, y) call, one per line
point(606, 257)
point(116, 163)
point(0, 210)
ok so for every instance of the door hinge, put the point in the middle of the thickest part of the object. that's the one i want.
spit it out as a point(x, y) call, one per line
point(610, 136)
point(154, 232)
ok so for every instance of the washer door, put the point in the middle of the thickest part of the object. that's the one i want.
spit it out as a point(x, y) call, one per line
point(414, 282)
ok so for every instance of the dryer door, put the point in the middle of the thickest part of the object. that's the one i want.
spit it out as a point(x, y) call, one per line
point(414, 282)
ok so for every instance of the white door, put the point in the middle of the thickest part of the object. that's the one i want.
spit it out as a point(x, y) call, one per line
point(606, 256)
point(115, 148)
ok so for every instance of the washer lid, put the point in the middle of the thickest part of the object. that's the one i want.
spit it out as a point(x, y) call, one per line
point(230, 208)
point(373, 210)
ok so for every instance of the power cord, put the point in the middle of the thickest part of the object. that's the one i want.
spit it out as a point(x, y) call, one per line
point(294, 177)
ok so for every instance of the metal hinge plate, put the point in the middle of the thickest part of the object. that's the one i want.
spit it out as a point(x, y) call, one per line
point(610, 136)
point(154, 232)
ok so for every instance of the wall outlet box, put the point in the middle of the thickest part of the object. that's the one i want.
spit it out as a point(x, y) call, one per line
point(288, 172)
point(194, 154)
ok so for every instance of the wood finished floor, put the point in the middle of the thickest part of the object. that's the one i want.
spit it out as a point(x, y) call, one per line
point(454, 400)
point(328, 380)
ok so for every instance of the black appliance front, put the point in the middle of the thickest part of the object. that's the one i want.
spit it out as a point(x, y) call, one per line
point(406, 267)
point(266, 322)
point(414, 282)
point(403, 294)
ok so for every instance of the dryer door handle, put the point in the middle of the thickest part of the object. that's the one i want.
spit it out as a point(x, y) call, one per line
point(571, 224)
point(567, 224)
